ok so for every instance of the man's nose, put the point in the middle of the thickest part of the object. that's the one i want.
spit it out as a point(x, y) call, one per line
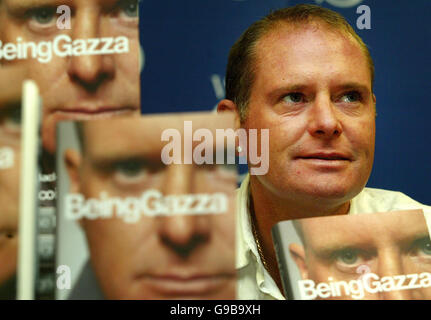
point(182, 234)
point(391, 264)
point(90, 71)
point(324, 122)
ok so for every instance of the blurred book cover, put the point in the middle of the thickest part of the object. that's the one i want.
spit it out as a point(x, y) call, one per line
point(146, 208)
point(19, 107)
point(11, 79)
point(359, 257)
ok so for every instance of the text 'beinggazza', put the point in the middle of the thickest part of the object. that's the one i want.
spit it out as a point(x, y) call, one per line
point(369, 282)
point(151, 203)
point(63, 46)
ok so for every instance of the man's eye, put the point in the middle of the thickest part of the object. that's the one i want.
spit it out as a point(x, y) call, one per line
point(129, 8)
point(422, 247)
point(348, 256)
point(43, 16)
point(426, 247)
point(294, 97)
point(350, 259)
point(350, 97)
point(10, 118)
point(134, 171)
point(129, 168)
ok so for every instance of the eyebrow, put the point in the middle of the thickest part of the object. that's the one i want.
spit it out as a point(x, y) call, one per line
point(110, 164)
point(18, 8)
point(344, 86)
point(289, 88)
point(106, 160)
point(328, 252)
point(26, 4)
point(301, 87)
point(412, 239)
point(353, 86)
point(111, 158)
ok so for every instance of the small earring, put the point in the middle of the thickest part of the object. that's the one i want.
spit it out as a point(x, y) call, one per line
point(239, 149)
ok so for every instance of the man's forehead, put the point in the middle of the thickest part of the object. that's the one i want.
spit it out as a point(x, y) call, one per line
point(295, 32)
point(288, 45)
point(118, 136)
point(26, 3)
point(364, 229)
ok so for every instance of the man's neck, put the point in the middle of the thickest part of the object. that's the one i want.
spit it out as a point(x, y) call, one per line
point(269, 209)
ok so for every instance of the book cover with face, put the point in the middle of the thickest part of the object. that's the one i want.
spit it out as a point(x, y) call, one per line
point(357, 257)
point(11, 88)
point(146, 207)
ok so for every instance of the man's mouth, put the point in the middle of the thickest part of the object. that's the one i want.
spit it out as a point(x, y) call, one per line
point(82, 113)
point(181, 286)
point(331, 156)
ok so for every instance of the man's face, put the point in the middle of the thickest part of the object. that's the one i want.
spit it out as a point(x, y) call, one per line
point(10, 138)
point(312, 89)
point(10, 151)
point(182, 256)
point(386, 244)
point(86, 86)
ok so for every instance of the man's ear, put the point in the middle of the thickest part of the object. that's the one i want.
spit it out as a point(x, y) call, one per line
point(375, 106)
point(230, 106)
point(72, 159)
point(298, 254)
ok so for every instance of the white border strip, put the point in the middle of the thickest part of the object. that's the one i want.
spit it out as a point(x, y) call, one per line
point(28, 192)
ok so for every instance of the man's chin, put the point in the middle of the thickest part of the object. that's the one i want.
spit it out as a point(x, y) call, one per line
point(50, 121)
point(328, 195)
point(322, 195)
point(227, 293)
point(312, 190)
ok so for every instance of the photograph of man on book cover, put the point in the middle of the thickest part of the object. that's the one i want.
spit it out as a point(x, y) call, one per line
point(154, 230)
point(11, 78)
point(373, 256)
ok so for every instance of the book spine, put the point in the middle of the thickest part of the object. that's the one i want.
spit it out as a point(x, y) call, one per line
point(282, 261)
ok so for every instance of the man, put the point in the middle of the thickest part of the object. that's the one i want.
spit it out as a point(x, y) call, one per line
point(167, 250)
point(11, 79)
point(83, 85)
point(387, 246)
point(303, 73)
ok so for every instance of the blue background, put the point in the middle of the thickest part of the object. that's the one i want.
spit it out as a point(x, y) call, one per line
point(186, 44)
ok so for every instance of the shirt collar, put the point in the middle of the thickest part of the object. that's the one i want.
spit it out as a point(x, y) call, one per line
point(245, 239)
point(246, 245)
